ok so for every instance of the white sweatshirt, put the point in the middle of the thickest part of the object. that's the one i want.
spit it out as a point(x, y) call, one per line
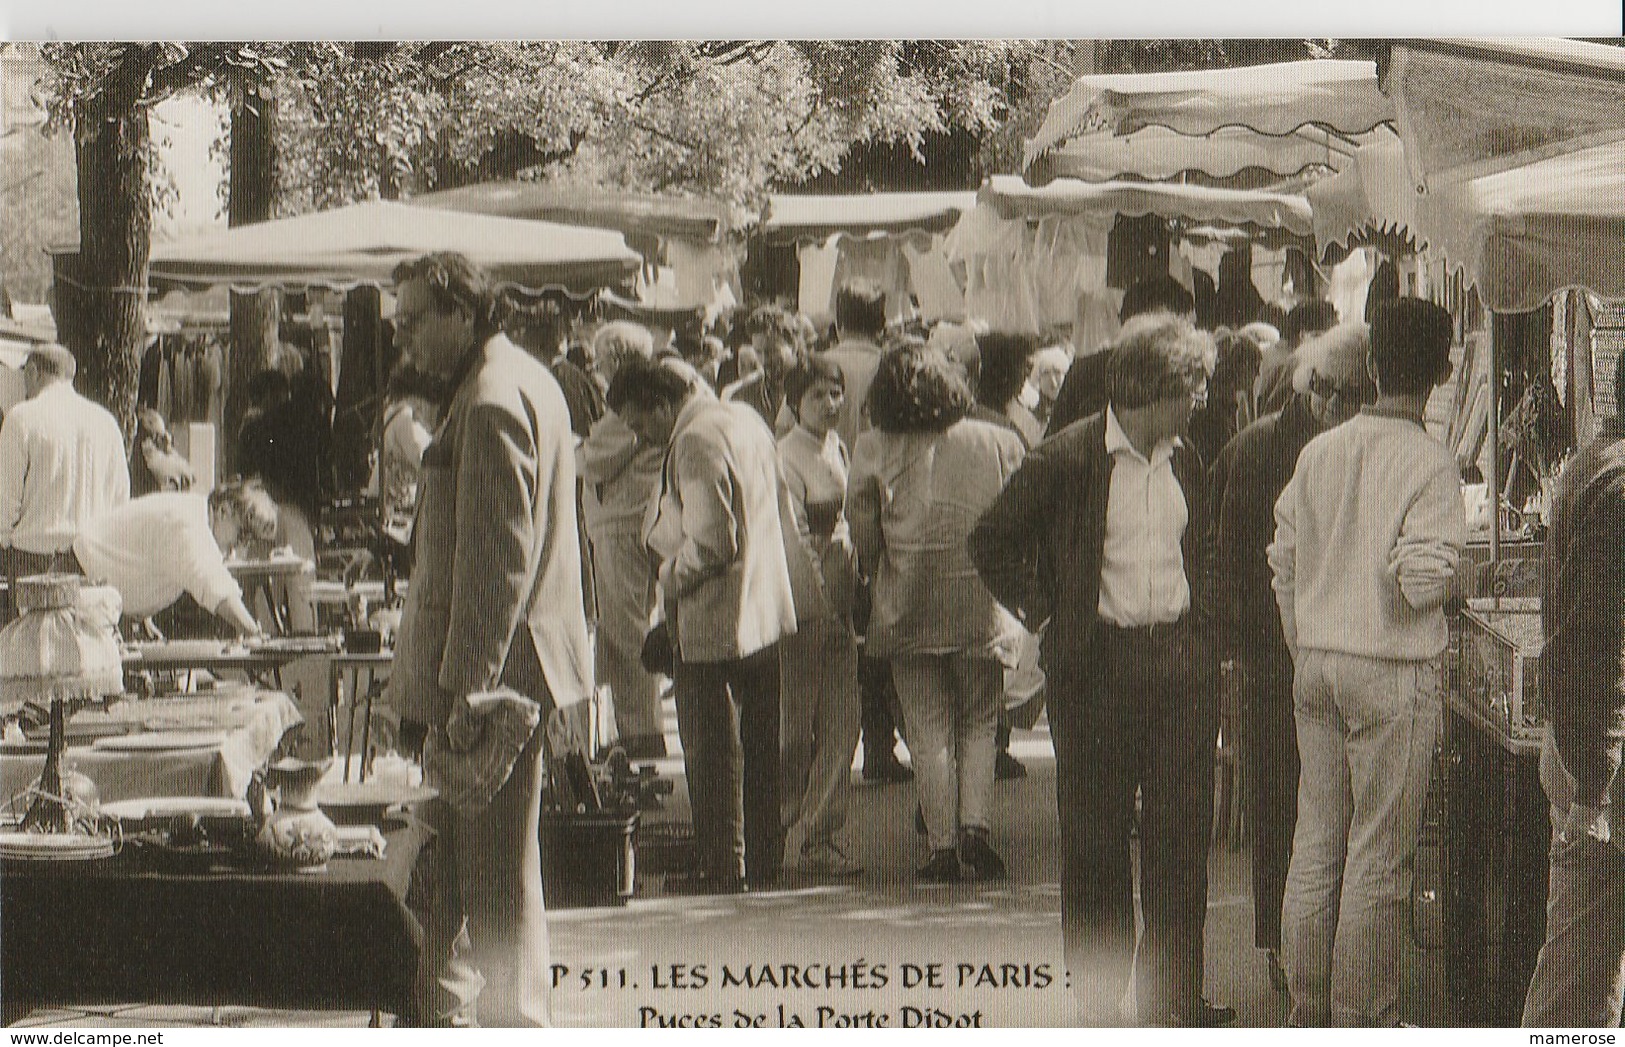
point(1367, 536)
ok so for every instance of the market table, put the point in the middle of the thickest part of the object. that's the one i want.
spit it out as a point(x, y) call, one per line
point(1497, 824)
point(109, 931)
point(247, 738)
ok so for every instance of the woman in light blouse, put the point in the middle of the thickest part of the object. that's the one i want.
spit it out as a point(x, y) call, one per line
point(920, 480)
point(822, 713)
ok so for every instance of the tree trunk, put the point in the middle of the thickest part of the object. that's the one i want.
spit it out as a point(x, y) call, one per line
point(255, 315)
point(101, 304)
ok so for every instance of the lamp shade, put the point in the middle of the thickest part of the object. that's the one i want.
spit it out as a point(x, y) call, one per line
point(62, 646)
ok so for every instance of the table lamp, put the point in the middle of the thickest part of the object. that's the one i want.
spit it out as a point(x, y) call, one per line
point(62, 650)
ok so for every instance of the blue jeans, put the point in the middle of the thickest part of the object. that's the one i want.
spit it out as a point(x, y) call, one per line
point(951, 706)
point(1580, 976)
point(1366, 729)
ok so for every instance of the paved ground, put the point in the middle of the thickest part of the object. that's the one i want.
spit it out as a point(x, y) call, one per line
point(907, 953)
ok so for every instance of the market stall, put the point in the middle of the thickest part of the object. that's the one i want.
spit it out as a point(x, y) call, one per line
point(1037, 257)
point(1513, 180)
point(894, 239)
point(688, 244)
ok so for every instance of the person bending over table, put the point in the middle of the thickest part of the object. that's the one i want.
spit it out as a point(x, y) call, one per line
point(154, 548)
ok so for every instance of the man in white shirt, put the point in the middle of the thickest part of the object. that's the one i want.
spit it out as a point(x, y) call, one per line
point(1367, 536)
point(154, 548)
point(62, 464)
point(1103, 534)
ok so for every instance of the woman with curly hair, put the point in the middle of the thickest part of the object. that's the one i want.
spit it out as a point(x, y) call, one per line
point(920, 480)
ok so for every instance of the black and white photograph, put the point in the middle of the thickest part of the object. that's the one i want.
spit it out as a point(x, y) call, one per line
point(812, 533)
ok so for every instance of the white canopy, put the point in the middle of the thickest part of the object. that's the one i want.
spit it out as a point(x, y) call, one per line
point(1467, 108)
point(1158, 153)
point(362, 243)
point(817, 217)
point(1528, 232)
point(1336, 95)
point(1373, 192)
point(1197, 204)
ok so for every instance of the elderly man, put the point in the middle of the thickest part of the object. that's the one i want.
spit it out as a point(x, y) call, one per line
point(495, 602)
point(1103, 532)
point(718, 529)
point(153, 548)
point(619, 476)
point(1367, 536)
point(1247, 478)
point(62, 464)
point(1580, 976)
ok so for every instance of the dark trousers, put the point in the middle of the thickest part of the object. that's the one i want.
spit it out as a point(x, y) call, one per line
point(728, 721)
point(881, 712)
point(1143, 715)
point(1271, 749)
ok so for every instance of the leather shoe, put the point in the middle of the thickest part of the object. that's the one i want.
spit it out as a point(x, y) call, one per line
point(978, 855)
point(1204, 1016)
point(942, 868)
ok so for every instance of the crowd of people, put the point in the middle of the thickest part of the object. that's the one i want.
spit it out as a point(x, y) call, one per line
point(830, 541)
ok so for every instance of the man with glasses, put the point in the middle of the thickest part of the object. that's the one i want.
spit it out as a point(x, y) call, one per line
point(495, 603)
point(1368, 533)
point(1247, 478)
point(1104, 533)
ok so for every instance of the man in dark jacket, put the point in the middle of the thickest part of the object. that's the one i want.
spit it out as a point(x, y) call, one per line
point(1247, 478)
point(1580, 976)
point(1104, 533)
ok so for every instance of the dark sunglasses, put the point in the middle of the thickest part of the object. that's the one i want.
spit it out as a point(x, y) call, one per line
point(1327, 389)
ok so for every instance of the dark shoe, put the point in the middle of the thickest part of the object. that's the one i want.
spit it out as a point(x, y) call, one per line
point(919, 819)
point(885, 768)
point(1008, 768)
point(942, 868)
point(1205, 1016)
point(979, 856)
point(1277, 973)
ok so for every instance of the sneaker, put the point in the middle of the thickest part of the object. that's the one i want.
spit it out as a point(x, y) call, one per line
point(1007, 768)
point(979, 856)
point(1204, 1016)
point(829, 860)
point(887, 768)
point(942, 868)
point(1277, 973)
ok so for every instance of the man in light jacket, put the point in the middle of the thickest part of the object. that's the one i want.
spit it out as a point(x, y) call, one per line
point(495, 601)
point(717, 531)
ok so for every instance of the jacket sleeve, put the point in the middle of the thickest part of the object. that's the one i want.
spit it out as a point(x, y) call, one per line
point(863, 505)
point(498, 481)
point(1583, 671)
point(1283, 560)
point(705, 487)
point(1431, 536)
point(1007, 540)
point(1202, 573)
point(13, 470)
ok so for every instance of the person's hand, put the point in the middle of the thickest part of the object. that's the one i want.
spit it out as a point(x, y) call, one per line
point(1583, 821)
point(567, 729)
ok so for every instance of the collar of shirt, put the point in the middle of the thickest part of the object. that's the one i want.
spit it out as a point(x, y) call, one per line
point(1117, 442)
